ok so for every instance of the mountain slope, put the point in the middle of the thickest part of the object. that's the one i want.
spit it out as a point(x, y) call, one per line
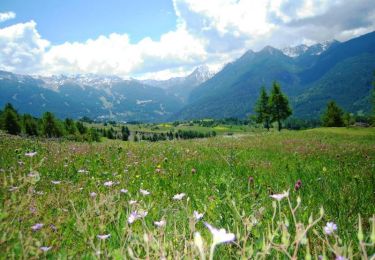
point(181, 87)
point(114, 99)
point(342, 71)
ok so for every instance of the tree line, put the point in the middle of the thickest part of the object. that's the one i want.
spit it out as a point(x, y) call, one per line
point(47, 126)
point(180, 134)
point(275, 108)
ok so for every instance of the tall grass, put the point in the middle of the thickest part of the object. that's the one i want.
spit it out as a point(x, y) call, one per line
point(63, 187)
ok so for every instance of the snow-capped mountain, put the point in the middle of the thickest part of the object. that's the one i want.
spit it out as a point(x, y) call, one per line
point(181, 87)
point(312, 50)
point(83, 80)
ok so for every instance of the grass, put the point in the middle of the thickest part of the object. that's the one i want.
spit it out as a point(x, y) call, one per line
point(336, 168)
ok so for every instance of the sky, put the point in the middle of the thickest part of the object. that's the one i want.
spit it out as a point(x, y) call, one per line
point(160, 39)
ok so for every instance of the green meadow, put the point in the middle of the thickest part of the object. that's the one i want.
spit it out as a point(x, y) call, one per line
point(91, 200)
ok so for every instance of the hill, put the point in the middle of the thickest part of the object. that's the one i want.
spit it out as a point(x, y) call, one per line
point(310, 76)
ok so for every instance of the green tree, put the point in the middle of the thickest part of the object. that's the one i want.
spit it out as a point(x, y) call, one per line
point(373, 99)
point(50, 127)
point(30, 125)
point(125, 133)
point(333, 116)
point(81, 128)
point(279, 105)
point(262, 109)
point(70, 126)
point(94, 135)
point(10, 120)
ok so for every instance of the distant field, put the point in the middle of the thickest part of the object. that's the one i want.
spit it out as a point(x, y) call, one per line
point(56, 188)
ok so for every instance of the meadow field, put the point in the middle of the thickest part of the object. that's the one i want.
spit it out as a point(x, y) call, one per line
point(251, 195)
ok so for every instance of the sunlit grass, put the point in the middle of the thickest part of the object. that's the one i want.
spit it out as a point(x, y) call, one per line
point(76, 190)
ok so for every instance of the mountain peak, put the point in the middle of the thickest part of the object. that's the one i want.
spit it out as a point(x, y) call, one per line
point(270, 50)
point(313, 50)
point(201, 74)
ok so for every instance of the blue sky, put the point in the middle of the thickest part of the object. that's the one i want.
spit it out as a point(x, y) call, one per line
point(78, 20)
point(160, 39)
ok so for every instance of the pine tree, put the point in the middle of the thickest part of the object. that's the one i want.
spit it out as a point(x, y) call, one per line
point(125, 133)
point(50, 127)
point(333, 116)
point(10, 120)
point(262, 109)
point(279, 105)
point(30, 125)
point(70, 126)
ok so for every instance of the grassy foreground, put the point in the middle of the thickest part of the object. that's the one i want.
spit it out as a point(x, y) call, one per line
point(64, 200)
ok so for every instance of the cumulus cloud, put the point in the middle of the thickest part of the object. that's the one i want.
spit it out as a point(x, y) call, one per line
point(22, 48)
point(7, 16)
point(115, 54)
point(211, 32)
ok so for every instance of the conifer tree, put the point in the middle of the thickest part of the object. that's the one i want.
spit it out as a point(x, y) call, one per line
point(279, 105)
point(10, 120)
point(262, 109)
point(333, 116)
point(30, 125)
point(50, 127)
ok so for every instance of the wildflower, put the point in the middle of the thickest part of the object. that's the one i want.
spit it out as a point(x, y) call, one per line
point(103, 237)
point(251, 179)
point(193, 170)
point(30, 154)
point(330, 228)
point(144, 192)
point(131, 202)
point(160, 223)
point(136, 215)
point(37, 226)
point(142, 214)
point(93, 194)
point(339, 257)
point(220, 235)
point(133, 217)
point(179, 196)
point(82, 171)
point(13, 188)
point(124, 191)
point(45, 248)
point(55, 182)
point(108, 183)
point(298, 185)
point(158, 170)
point(281, 196)
point(324, 169)
point(198, 215)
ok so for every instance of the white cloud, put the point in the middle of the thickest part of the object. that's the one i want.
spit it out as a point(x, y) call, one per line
point(7, 16)
point(22, 48)
point(115, 54)
point(211, 32)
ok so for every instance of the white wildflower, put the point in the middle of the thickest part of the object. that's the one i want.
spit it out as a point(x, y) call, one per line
point(45, 248)
point(197, 215)
point(220, 235)
point(30, 154)
point(144, 192)
point(160, 223)
point(280, 196)
point(103, 237)
point(179, 196)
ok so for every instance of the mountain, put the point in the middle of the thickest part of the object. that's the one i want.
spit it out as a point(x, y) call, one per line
point(304, 50)
point(87, 95)
point(310, 76)
point(181, 87)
